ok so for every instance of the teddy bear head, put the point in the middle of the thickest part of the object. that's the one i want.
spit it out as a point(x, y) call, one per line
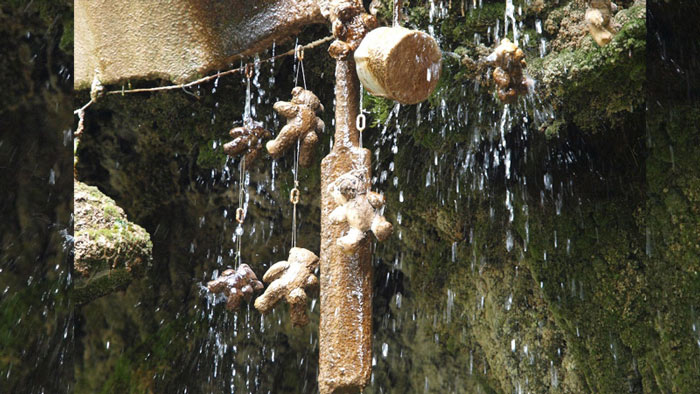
point(306, 97)
point(347, 187)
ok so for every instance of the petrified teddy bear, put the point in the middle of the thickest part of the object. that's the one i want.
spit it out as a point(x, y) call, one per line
point(288, 279)
point(509, 61)
point(599, 18)
point(302, 124)
point(236, 285)
point(350, 25)
point(247, 140)
point(360, 209)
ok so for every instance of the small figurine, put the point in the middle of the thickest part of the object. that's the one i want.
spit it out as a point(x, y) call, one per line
point(302, 124)
point(360, 209)
point(350, 25)
point(508, 74)
point(247, 140)
point(236, 285)
point(599, 18)
point(288, 279)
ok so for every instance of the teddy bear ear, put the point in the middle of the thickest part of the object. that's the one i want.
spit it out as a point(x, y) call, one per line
point(297, 90)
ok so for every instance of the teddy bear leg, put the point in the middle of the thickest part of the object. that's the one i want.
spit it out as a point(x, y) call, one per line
point(306, 151)
point(234, 299)
point(350, 242)
point(381, 228)
point(283, 141)
point(297, 307)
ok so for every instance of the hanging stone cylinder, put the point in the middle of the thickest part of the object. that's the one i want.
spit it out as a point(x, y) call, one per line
point(399, 64)
point(345, 329)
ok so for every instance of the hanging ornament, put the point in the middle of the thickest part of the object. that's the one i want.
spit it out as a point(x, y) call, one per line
point(236, 285)
point(509, 61)
point(599, 17)
point(241, 283)
point(360, 209)
point(302, 120)
point(247, 139)
point(289, 280)
point(398, 63)
point(302, 125)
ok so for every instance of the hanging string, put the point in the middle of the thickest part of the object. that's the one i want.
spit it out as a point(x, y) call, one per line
point(182, 86)
point(396, 13)
point(294, 194)
point(240, 212)
point(299, 57)
point(361, 120)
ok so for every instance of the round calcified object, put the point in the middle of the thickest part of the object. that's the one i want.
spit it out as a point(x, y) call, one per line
point(399, 64)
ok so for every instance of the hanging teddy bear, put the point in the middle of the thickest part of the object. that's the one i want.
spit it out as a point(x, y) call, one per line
point(247, 140)
point(236, 285)
point(350, 25)
point(509, 61)
point(360, 209)
point(288, 279)
point(302, 124)
point(600, 23)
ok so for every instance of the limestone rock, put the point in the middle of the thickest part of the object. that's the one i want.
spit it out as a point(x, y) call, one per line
point(177, 40)
point(109, 250)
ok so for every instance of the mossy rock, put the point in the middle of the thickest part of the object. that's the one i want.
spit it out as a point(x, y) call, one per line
point(109, 250)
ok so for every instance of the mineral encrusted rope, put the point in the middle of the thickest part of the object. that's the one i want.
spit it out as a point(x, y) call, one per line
point(292, 51)
point(294, 193)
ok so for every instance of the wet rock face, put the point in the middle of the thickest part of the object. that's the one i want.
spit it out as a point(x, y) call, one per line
point(109, 249)
point(177, 40)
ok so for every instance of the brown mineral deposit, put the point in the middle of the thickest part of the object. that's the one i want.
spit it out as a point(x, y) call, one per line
point(599, 16)
point(247, 141)
point(302, 125)
point(288, 279)
point(236, 285)
point(399, 64)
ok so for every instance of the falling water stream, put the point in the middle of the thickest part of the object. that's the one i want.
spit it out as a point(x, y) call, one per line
point(514, 252)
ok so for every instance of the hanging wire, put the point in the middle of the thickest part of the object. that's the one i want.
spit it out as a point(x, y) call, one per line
point(294, 194)
point(240, 212)
point(361, 120)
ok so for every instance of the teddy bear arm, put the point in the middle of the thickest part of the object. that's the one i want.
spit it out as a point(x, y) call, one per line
point(338, 215)
point(276, 271)
point(270, 297)
point(284, 140)
point(381, 228)
point(286, 109)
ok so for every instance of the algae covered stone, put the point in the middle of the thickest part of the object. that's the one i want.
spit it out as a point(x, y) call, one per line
point(109, 250)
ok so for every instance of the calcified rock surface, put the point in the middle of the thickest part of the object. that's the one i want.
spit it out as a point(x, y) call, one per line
point(287, 280)
point(109, 249)
point(177, 40)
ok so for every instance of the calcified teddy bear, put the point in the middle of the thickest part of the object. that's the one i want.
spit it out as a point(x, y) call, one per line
point(599, 18)
point(288, 279)
point(351, 23)
point(302, 124)
point(236, 285)
point(360, 209)
point(247, 141)
point(509, 61)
